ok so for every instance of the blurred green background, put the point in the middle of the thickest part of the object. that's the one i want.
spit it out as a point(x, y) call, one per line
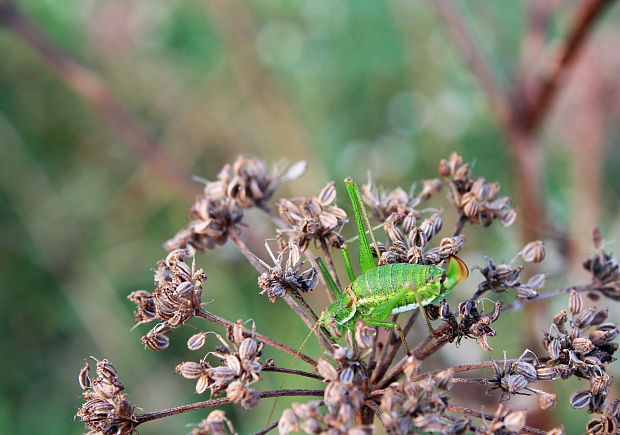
point(350, 86)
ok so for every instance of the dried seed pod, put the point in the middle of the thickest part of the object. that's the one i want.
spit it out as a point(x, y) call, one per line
point(411, 367)
point(582, 345)
point(560, 319)
point(365, 335)
point(546, 400)
point(196, 341)
point(444, 379)
point(537, 281)
point(156, 341)
point(83, 378)
point(190, 370)
point(514, 421)
point(575, 302)
point(580, 399)
point(513, 383)
point(526, 369)
point(546, 373)
point(288, 422)
point(600, 384)
point(249, 348)
point(525, 293)
point(584, 318)
point(470, 205)
point(409, 222)
point(533, 252)
point(326, 370)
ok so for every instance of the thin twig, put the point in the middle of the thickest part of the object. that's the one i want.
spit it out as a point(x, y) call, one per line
point(92, 89)
point(518, 304)
point(204, 314)
point(489, 417)
point(293, 372)
point(143, 418)
point(268, 429)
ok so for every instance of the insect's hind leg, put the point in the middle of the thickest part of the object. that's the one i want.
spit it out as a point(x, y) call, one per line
point(381, 312)
point(391, 325)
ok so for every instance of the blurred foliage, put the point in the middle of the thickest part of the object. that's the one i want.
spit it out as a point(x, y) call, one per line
point(351, 86)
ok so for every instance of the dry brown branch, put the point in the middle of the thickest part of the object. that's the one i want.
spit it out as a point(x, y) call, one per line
point(92, 89)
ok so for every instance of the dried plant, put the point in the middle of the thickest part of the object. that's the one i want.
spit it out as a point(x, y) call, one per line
point(364, 380)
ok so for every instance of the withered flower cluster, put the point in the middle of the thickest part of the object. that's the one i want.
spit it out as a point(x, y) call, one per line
point(362, 377)
point(468, 322)
point(605, 270)
point(105, 411)
point(501, 277)
point(174, 301)
point(582, 347)
point(240, 368)
point(343, 398)
point(244, 184)
point(216, 423)
point(420, 404)
point(315, 218)
point(280, 279)
point(475, 198)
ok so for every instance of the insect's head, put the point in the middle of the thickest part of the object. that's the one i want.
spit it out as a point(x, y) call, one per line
point(456, 272)
point(341, 311)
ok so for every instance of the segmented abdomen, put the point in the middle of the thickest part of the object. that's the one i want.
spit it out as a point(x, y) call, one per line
point(390, 279)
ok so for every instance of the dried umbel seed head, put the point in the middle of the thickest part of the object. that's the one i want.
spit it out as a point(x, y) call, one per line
point(533, 252)
point(216, 423)
point(105, 408)
point(237, 392)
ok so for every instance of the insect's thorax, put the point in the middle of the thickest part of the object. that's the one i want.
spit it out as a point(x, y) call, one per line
point(382, 283)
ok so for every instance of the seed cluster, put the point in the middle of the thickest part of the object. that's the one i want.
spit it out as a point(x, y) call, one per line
point(315, 218)
point(105, 411)
point(343, 398)
point(469, 322)
point(280, 278)
point(174, 301)
point(575, 352)
point(474, 197)
point(244, 184)
point(367, 381)
point(240, 368)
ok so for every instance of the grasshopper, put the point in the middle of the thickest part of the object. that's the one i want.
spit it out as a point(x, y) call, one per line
point(381, 291)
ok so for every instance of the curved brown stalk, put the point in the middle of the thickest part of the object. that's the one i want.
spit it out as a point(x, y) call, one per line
point(143, 418)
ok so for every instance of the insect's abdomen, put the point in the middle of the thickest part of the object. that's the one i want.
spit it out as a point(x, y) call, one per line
point(389, 279)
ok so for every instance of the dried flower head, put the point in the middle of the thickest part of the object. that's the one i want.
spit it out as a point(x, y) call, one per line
point(315, 218)
point(174, 301)
point(475, 198)
point(281, 279)
point(105, 410)
point(216, 423)
point(605, 270)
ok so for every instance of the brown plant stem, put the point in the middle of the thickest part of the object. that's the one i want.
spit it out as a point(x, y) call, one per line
point(143, 418)
point(204, 314)
point(562, 291)
point(583, 21)
point(268, 428)
point(490, 417)
point(293, 372)
point(92, 89)
point(391, 349)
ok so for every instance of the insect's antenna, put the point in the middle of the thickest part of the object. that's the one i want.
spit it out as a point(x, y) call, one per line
point(265, 265)
point(301, 346)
